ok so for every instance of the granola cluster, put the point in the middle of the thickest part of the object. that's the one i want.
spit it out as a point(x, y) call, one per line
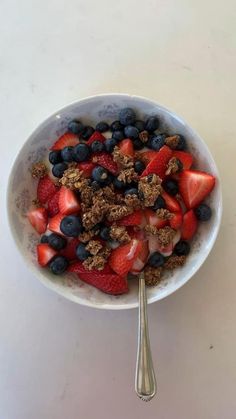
point(172, 141)
point(149, 189)
point(121, 159)
point(73, 179)
point(39, 170)
point(172, 166)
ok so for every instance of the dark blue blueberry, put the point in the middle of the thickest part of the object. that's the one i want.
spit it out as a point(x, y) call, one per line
point(156, 141)
point(67, 154)
point(137, 143)
point(182, 143)
point(81, 152)
point(156, 260)
point(131, 132)
point(203, 212)
point(57, 242)
point(81, 252)
point(139, 166)
point(95, 185)
point(131, 191)
point(100, 174)
point(44, 239)
point(71, 226)
point(102, 126)
point(127, 116)
point(58, 169)
point(119, 184)
point(55, 156)
point(171, 186)
point(87, 132)
point(140, 125)
point(105, 233)
point(118, 135)
point(58, 265)
point(116, 126)
point(159, 203)
point(76, 127)
point(110, 143)
point(97, 146)
point(182, 248)
point(152, 123)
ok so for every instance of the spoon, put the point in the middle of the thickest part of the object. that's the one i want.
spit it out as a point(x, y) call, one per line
point(145, 381)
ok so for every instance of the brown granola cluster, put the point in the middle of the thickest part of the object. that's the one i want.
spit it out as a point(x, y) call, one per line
point(121, 159)
point(149, 189)
point(143, 136)
point(39, 170)
point(73, 179)
point(174, 261)
point(172, 141)
point(128, 175)
point(164, 214)
point(119, 233)
point(172, 166)
point(164, 235)
point(152, 275)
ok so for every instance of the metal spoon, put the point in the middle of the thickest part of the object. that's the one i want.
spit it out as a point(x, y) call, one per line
point(145, 381)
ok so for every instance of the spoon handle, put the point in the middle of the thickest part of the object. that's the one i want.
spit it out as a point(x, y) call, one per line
point(145, 381)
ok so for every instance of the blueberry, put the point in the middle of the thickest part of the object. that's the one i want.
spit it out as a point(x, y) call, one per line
point(102, 126)
point(100, 174)
point(140, 125)
point(131, 191)
point(105, 233)
point(159, 203)
point(152, 123)
point(171, 186)
point(139, 166)
point(118, 135)
point(55, 157)
point(156, 260)
point(131, 132)
point(203, 212)
point(182, 248)
point(110, 143)
point(44, 239)
point(127, 116)
point(58, 169)
point(97, 146)
point(76, 127)
point(71, 226)
point(58, 265)
point(156, 141)
point(116, 126)
point(87, 132)
point(119, 184)
point(67, 154)
point(182, 143)
point(95, 185)
point(81, 252)
point(137, 143)
point(57, 242)
point(81, 152)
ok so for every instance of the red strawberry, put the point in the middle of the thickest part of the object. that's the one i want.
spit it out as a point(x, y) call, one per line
point(171, 203)
point(153, 219)
point(176, 220)
point(126, 147)
point(96, 136)
point(108, 283)
point(38, 218)
point(87, 168)
point(78, 268)
point(134, 219)
point(67, 139)
point(134, 233)
point(149, 155)
point(105, 160)
point(68, 203)
point(159, 163)
point(189, 226)
point(141, 259)
point(70, 250)
point(122, 258)
point(46, 189)
point(53, 204)
point(185, 158)
point(194, 186)
point(45, 253)
point(54, 223)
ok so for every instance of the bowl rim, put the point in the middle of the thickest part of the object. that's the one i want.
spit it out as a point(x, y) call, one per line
point(109, 306)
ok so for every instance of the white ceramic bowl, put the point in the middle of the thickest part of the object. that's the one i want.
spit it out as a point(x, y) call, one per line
point(22, 188)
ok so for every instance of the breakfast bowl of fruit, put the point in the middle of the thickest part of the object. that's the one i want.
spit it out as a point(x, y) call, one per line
point(108, 187)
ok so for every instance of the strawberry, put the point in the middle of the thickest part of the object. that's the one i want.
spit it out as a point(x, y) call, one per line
point(46, 189)
point(78, 268)
point(68, 203)
point(96, 136)
point(148, 155)
point(105, 160)
point(38, 218)
point(171, 203)
point(141, 259)
point(122, 258)
point(108, 283)
point(53, 204)
point(153, 219)
point(87, 168)
point(54, 223)
point(45, 253)
point(136, 233)
point(70, 250)
point(194, 186)
point(134, 219)
point(176, 220)
point(159, 163)
point(185, 158)
point(189, 226)
point(67, 139)
point(126, 147)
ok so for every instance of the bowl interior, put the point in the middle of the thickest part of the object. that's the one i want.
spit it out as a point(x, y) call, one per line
point(22, 189)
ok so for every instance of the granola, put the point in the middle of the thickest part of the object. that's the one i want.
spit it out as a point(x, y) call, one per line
point(149, 188)
point(173, 166)
point(133, 201)
point(94, 246)
point(128, 175)
point(174, 261)
point(73, 178)
point(143, 136)
point(121, 159)
point(165, 235)
point(172, 141)
point(152, 275)
point(95, 215)
point(119, 233)
point(39, 170)
point(86, 236)
point(94, 262)
point(116, 212)
point(164, 214)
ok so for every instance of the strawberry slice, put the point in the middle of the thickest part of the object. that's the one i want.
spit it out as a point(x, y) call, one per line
point(105, 160)
point(185, 158)
point(176, 220)
point(70, 250)
point(87, 168)
point(158, 165)
point(108, 283)
point(68, 203)
point(148, 155)
point(45, 253)
point(78, 268)
point(53, 204)
point(46, 189)
point(54, 223)
point(189, 226)
point(126, 147)
point(122, 258)
point(134, 219)
point(67, 139)
point(38, 218)
point(171, 203)
point(194, 186)
point(141, 259)
point(96, 136)
point(138, 233)
point(153, 219)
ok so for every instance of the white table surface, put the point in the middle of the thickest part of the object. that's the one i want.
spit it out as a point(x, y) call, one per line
point(57, 359)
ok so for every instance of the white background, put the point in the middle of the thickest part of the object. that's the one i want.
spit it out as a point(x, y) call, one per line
point(59, 360)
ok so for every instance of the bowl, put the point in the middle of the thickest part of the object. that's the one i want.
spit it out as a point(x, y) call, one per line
point(22, 188)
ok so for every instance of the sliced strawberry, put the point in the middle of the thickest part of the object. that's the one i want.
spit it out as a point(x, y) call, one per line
point(176, 220)
point(122, 258)
point(126, 147)
point(171, 203)
point(68, 203)
point(53, 204)
point(136, 233)
point(108, 283)
point(78, 268)
point(70, 250)
point(87, 168)
point(148, 155)
point(194, 186)
point(141, 259)
point(185, 158)
point(96, 136)
point(38, 218)
point(46, 189)
point(105, 160)
point(134, 219)
point(67, 139)
point(189, 226)
point(45, 253)
point(54, 223)
point(153, 219)
point(158, 165)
